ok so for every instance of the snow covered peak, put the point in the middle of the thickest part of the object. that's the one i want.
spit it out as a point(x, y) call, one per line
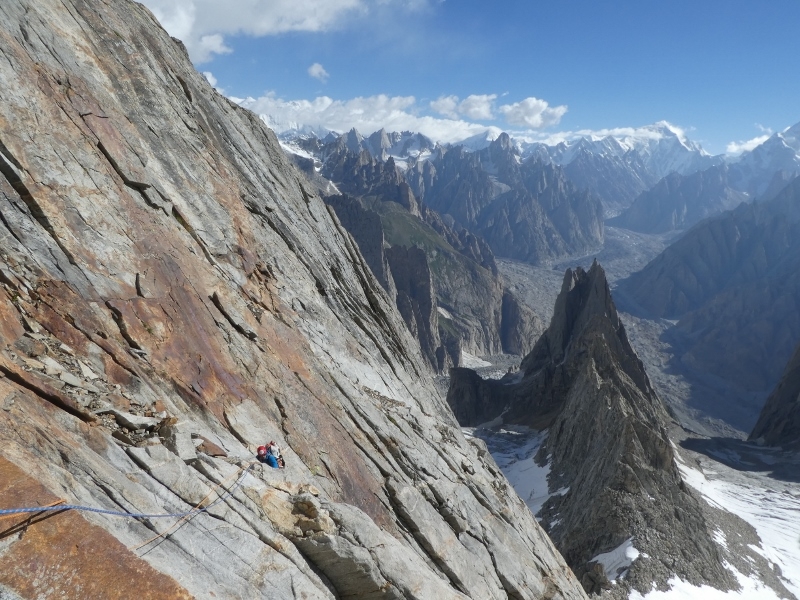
point(661, 147)
point(481, 140)
point(659, 135)
point(791, 136)
point(780, 153)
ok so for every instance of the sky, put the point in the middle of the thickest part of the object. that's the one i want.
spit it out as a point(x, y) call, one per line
point(723, 71)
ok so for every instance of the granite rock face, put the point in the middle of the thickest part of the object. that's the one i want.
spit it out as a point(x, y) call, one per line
point(779, 422)
point(416, 299)
point(613, 471)
point(174, 294)
point(359, 174)
point(365, 227)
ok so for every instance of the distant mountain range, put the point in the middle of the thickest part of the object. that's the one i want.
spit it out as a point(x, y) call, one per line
point(679, 201)
point(525, 207)
point(617, 169)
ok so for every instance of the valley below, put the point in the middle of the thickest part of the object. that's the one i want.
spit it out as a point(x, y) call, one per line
point(751, 493)
point(238, 362)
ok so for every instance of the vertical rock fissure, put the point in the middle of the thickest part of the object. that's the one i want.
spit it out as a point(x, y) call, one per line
point(119, 319)
point(193, 234)
point(248, 333)
point(7, 168)
point(426, 547)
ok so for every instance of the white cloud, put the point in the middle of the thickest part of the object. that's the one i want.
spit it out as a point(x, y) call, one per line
point(202, 24)
point(403, 113)
point(317, 71)
point(446, 106)
point(478, 106)
point(533, 112)
point(736, 148)
point(210, 44)
point(367, 114)
point(475, 106)
point(210, 78)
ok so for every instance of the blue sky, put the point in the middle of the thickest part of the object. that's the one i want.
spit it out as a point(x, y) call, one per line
point(724, 71)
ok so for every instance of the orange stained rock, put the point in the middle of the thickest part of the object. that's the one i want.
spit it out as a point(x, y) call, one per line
point(61, 555)
point(10, 328)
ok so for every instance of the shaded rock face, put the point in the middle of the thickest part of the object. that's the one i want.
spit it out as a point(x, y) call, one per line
point(607, 447)
point(403, 273)
point(480, 316)
point(172, 295)
point(734, 283)
point(474, 400)
point(470, 245)
point(519, 325)
point(527, 211)
point(365, 227)
point(779, 422)
point(359, 174)
point(679, 201)
point(416, 298)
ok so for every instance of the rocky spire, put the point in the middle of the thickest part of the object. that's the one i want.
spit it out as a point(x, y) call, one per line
point(607, 446)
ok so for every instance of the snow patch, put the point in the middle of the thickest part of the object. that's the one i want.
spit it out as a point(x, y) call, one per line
point(617, 562)
point(719, 537)
point(292, 148)
point(773, 515)
point(513, 449)
point(752, 589)
point(444, 313)
point(473, 362)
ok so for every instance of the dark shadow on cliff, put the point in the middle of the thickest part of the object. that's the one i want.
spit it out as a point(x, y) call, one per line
point(744, 456)
point(711, 395)
point(23, 523)
point(716, 404)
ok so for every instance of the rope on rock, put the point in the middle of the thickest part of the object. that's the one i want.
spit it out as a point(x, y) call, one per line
point(58, 506)
point(186, 516)
point(48, 506)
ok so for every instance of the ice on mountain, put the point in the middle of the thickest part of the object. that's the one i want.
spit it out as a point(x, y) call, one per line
point(617, 561)
point(514, 449)
point(774, 517)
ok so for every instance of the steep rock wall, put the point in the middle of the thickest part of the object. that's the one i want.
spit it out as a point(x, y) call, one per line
point(172, 296)
point(779, 421)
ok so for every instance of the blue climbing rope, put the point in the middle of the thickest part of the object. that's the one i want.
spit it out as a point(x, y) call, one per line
point(116, 513)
